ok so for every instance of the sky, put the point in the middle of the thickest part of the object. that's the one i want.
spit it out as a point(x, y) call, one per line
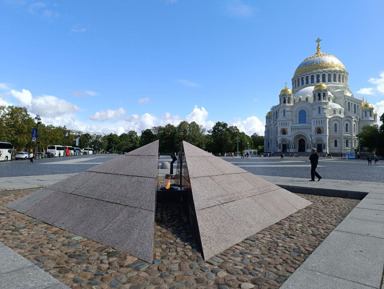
point(115, 66)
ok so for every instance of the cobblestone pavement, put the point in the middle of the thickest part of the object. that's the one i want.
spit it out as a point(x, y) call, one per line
point(264, 260)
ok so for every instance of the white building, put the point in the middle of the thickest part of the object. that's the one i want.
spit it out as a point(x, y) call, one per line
point(320, 111)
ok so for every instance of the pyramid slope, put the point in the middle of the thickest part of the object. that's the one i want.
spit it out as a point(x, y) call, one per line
point(112, 203)
point(232, 204)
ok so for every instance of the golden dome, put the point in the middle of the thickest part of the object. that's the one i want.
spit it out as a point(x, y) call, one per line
point(320, 86)
point(366, 105)
point(374, 112)
point(285, 90)
point(319, 60)
point(269, 114)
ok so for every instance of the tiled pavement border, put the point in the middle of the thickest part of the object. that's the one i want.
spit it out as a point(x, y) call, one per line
point(17, 272)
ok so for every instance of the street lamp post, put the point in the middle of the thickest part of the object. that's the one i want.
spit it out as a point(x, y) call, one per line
point(38, 121)
point(65, 135)
point(237, 142)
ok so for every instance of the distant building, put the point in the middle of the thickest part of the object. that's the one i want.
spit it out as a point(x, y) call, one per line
point(320, 111)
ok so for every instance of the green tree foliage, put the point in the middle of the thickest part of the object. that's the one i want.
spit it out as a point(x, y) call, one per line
point(369, 136)
point(147, 136)
point(128, 142)
point(257, 142)
point(16, 126)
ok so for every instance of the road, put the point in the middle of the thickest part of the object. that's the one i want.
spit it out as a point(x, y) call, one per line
point(295, 167)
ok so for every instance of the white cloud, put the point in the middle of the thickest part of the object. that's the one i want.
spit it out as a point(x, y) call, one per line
point(366, 91)
point(79, 29)
point(107, 115)
point(4, 86)
point(45, 106)
point(84, 93)
point(3, 102)
point(250, 125)
point(51, 106)
point(144, 100)
point(237, 8)
point(379, 83)
point(378, 90)
point(24, 97)
point(379, 107)
point(188, 83)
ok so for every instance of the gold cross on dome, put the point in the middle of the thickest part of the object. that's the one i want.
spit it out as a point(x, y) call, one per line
point(318, 40)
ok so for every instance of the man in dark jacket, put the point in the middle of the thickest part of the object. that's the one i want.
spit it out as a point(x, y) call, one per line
point(314, 158)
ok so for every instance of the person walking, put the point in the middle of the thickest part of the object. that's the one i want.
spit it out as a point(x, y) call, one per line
point(31, 158)
point(314, 158)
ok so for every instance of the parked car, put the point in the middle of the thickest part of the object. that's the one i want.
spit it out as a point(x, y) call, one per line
point(50, 155)
point(22, 156)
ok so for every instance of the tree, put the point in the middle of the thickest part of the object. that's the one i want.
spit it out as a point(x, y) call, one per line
point(147, 136)
point(369, 138)
point(18, 127)
point(196, 135)
point(167, 138)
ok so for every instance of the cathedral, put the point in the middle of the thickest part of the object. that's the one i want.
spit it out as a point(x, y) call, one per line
point(319, 112)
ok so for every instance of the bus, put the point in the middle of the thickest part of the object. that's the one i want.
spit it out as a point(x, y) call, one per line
point(88, 151)
point(6, 151)
point(69, 151)
point(57, 150)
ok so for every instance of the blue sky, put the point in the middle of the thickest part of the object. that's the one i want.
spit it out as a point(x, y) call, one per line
point(121, 65)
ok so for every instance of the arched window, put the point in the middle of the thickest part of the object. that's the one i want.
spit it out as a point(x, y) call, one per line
point(317, 78)
point(284, 112)
point(284, 100)
point(346, 127)
point(323, 95)
point(335, 143)
point(354, 108)
point(334, 77)
point(283, 131)
point(302, 116)
point(323, 78)
point(318, 110)
point(319, 96)
point(302, 81)
point(339, 78)
point(349, 106)
point(312, 79)
point(347, 143)
point(329, 77)
point(354, 127)
point(335, 127)
point(318, 131)
point(365, 113)
point(306, 79)
point(289, 100)
point(334, 111)
point(306, 99)
point(298, 82)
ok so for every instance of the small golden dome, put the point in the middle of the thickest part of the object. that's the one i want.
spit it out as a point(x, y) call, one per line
point(374, 112)
point(366, 105)
point(286, 91)
point(269, 114)
point(320, 86)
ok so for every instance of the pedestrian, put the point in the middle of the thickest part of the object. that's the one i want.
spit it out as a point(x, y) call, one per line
point(281, 156)
point(314, 158)
point(369, 160)
point(376, 159)
point(31, 157)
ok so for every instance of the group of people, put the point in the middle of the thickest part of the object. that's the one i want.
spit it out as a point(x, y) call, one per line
point(375, 159)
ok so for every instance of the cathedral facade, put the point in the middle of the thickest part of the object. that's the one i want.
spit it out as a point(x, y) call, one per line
point(319, 112)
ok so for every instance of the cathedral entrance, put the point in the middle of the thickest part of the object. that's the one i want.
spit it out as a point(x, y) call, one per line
point(284, 148)
point(301, 145)
point(319, 148)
